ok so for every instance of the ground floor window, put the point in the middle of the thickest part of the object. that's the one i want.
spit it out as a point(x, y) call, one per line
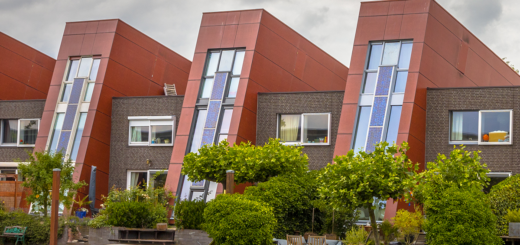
point(495, 178)
point(481, 127)
point(143, 178)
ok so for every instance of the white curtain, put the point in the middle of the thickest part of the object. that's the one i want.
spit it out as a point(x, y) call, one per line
point(134, 179)
point(456, 127)
point(136, 134)
point(289, 125)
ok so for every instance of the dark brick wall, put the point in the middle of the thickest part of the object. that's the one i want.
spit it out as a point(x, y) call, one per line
point(441, 101)
point(272, 104)
point(17, 109)
point(124, 157)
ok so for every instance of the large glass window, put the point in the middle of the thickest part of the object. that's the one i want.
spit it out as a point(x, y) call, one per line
point(151, 131)
point(73, 70)
point(226, 122)
point(223, 61)
point(391, 53)
point(19, 132)
point(84, 67)
point(67, 87)
point(146, 178)
point(58, 124)
point(199, 128)
point(495, 127)
point(77, 137)
point(307, 128)
point(88, 68)
point(393, 124)
point(362, 128)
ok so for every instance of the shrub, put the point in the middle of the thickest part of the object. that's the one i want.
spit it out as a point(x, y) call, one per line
point(503, 197)
point(409, 224)
point(460, 216)
point(189, 214)
point(512, 216)
point(389, 231)
point(356, 236)
point(236, 220)
point(134, 208)
point(38, 228)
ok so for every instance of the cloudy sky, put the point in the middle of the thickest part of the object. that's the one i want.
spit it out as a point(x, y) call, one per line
point(330, 24)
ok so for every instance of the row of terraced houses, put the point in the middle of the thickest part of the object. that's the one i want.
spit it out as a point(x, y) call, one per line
point(416, 75)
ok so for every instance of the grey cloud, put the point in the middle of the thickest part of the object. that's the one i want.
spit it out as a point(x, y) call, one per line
point(478, 15)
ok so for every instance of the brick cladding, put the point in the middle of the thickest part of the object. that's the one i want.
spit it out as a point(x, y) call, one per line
point(270, 105)
point(441, 101)
point(18, 109)
point(124, 157)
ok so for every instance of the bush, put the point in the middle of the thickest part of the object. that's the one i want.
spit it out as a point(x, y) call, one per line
point(505, 196)
point(460, 216)
point(236, 220)
point(356, 236)
point(389, 231)
point(134, 208)
point(189, 214)
point(409, 224)
point(512, 216)
point(38, 228)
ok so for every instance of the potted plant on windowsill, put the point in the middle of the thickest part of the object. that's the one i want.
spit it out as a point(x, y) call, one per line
point(82, 211)
point(513, 217)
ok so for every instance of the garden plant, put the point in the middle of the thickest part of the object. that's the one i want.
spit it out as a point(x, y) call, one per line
point(503, 197)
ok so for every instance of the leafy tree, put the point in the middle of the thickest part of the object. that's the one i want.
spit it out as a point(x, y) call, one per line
point(236, 220)
point(510, 65)
point(250, 163)
point(461, 168)
point(460, 216)
point(503, 197)
point(37, 172)
point(356, 179)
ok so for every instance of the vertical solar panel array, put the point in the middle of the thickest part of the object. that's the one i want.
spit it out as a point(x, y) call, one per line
point(214, 108)
point(380, 107)
point(70, 114)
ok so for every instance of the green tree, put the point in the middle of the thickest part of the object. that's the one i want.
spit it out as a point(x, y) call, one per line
point(250, 163)
point(356, 179)
point(503, 197)
point(37, 172)
point(460, 216)
point(461, 168)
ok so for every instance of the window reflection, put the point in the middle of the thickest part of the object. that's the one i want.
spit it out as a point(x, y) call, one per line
point(464, 126)
point(370, 83)
point(199, 128)
point(362, 128)
point(315, 128)
point(495, 126)
point(227, 60)
point(393, 124)
point(375, 56)
point(391, 53)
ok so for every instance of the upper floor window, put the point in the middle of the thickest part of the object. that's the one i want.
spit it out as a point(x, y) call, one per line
point(86, 67)
point(223, 61)
point(19, 132)
point(305, 129)
point(146, 178)
point(153, 131)
point(483, 127)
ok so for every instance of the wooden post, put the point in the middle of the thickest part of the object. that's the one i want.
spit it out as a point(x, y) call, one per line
point(15, 186)
point(55, 204)
point(230, 181)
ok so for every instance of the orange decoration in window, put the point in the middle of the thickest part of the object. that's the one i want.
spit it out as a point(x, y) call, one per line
point(485, 137)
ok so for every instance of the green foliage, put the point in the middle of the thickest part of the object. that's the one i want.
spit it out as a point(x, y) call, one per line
point(503, 197)
point(460, 216)
point(251, 163)
point(356, 236)
point(38, 228)
point(389, 231)
point(513, 216)
point(37, 173)
point(356, 179)
point(339, 220)
point(236, 220)
point(82, 203)
point(409, 224)
point(462, 169)
point(134, 208)
point(189, 214)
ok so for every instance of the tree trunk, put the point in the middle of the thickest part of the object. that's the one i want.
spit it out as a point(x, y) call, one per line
point(373, 223)
point(45, 207)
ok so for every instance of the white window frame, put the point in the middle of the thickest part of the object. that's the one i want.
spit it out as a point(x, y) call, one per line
point(302, 128)
point(150, 121)
point(17, 144)
point(148, 175)
point(510, 128)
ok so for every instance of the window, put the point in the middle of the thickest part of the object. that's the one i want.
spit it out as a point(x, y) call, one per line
point(153, 131)
point(19, 132)
point(362, 128)
point(496, 178)
point(86, 67)
point(393, 124)
point(77, 137)
point(306, 129)
point(199, 128)
point(485, 127)
point(58, 124)
point(224, 126)
point(379, 212)
point(223, 61)
point(144, 178)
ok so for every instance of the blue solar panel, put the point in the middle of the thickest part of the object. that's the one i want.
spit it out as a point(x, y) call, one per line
point(213, 114)
point(379, 111)
point(219, 86)
point(69, 117)
point(75, 94)
point(384, 80)
point(64, 141)
point(374, 137)
point(208, 136)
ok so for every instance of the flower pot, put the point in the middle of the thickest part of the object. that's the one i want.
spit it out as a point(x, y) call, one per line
point(81, 214)
point(514, 229)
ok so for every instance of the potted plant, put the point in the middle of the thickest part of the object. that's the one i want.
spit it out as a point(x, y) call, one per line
point(389, 231)
point(82, 211)
point(513, 217)
point(409, 224)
